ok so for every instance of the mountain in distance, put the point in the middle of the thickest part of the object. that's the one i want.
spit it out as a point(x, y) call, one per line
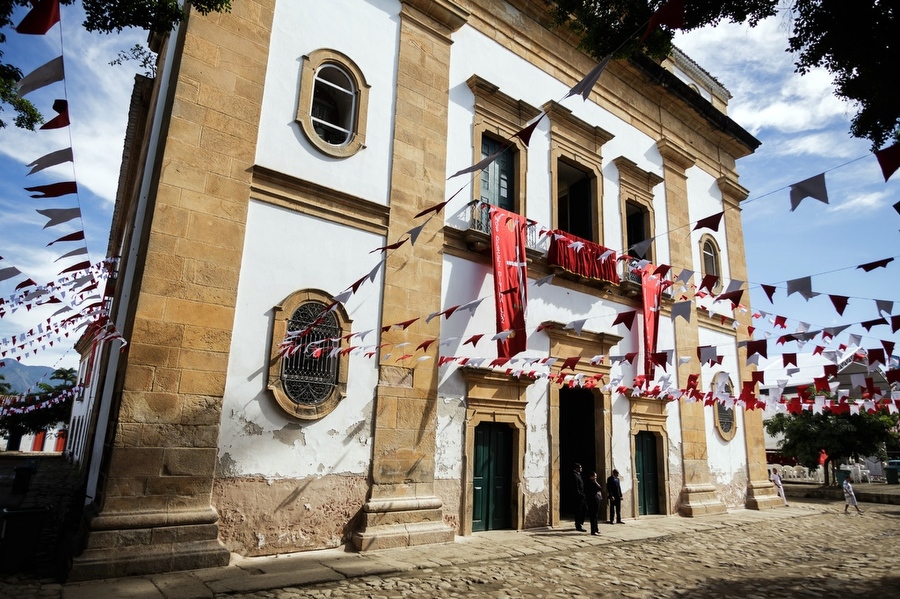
point(22, 378)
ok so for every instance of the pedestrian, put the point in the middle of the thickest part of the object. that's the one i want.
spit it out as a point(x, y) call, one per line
point(849, 497)
point(580, 504)
point(614, 493)
point(595, 501)
point(779, 488)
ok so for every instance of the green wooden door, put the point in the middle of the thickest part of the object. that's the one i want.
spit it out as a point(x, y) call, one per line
point(647, 471)
point(492, 477)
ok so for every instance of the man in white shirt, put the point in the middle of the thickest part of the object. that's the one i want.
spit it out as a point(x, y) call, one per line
point(776, 480)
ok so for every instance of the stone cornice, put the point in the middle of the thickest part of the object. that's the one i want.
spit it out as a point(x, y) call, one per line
point(674, 155)
point(732, 191)
point(561, 117)
point(443, 17)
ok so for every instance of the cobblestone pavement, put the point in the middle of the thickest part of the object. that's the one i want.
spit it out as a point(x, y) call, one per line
point(823, 555)
point(808, 550)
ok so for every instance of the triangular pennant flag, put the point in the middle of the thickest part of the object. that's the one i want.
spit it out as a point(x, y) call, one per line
point(53, 190)
point(45, 74)
point(61, 107)
point(710, 222)
point(525, 134)
point(626, 318)
point(51, 159)
point(868, 324)
point(814, 187)
point(803, 286)
point(670, 14)
point(682, 309)
point(583, 88)
point(895, 323)
point(40, 19)
point(9, 272)
point(840, 303)
point(770, 291)
point(74, 267)
point(708, 282)
point(641, 247)
point(877, 264)
point(889, 160)
point(59, 216)
point(685, 276)
point(76, 236)
point(481, 164)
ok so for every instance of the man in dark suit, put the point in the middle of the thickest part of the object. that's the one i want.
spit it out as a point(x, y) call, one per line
point(614, 492)
point(580, 503)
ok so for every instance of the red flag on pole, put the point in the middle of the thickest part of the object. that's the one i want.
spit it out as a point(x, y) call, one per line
point(41, 18)
point(510, 278)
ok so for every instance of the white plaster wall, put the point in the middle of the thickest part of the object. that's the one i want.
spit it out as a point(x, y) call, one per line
point(524, 81)
point(367, 32)
point(726, 458)
point(285, 251)
point(464, 281)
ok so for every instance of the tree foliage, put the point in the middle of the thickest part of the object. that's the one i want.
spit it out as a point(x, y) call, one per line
point(5, 389)
point(840, 436)
point(103, 16)
point(45, 417)
point(854, 41)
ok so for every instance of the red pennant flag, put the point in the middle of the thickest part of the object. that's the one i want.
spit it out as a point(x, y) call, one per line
point(877, 264)
point(474, 339)
point(889, 160)
point(392, 246)
point(830, 370)
point(758, 376)
point(710, 222)
point(788, 359)
point(570, 363)
point(888, 347)
point(626, 318)
point(629, 357)
point(821, 384)
point(818, 351)
point(840, 303)
point(708, 282)
point(670, 14)
point(895, 323)
point(76, 236)
point(525, 134)
point(781, 321)
point(74, 267)
point(424, 345)
point(770, 291)
point(61, 107)
point(53, 190)
point(26, 283)
point(757, 347)
point(41, 18)
point(871, 323)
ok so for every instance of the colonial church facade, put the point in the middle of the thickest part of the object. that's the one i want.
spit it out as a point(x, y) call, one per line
point(317, 352)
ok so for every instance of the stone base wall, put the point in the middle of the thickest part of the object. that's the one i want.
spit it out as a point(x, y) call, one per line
point(268, 517)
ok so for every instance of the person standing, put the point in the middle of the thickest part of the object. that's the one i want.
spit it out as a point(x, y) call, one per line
point(580, 504)
point(849, 497)
point(779, 488)
point(595, 501)
point(614, 492)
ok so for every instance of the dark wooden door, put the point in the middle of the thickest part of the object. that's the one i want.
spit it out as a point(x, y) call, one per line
point(647, 470)
point(492, 477)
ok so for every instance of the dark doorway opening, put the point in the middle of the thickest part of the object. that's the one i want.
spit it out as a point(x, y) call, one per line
point(576, 442)
point(492, 496)
point(646, 466)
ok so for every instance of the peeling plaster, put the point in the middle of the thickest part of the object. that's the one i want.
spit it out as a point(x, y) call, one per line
point(290, 434)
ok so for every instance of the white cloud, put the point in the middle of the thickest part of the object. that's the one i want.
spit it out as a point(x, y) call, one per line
point(863, 203)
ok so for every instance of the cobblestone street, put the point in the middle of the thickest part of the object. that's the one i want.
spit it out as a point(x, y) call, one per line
point(821, 555)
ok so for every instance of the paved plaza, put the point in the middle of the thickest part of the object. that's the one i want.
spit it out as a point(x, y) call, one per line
point(810, 549)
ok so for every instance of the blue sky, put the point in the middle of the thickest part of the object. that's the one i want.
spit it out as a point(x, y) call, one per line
point(804, 131)
point(98, 96)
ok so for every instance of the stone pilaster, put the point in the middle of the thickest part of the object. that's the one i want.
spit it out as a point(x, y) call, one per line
point(760, 491)
point(402, 509)
point(698, 495)
point(154, 511)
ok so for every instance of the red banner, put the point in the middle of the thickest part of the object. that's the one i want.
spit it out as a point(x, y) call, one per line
point(651, 288)
point(508, 231)
point(582, 257)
